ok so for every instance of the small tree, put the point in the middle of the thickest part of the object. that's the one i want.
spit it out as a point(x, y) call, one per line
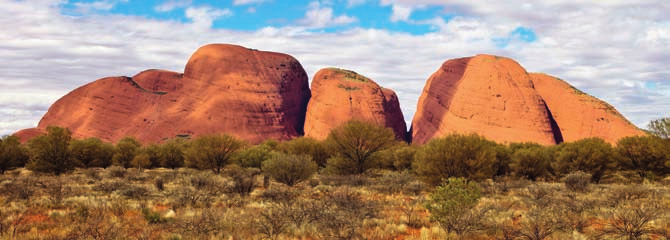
point(172, 153)
point(213, 152)
point(451, 202)
point(253, 157)
point(12, 154)
point(308, 146)
point(591, 155)
point(50, 152)
point(290, 169)
point(125, 151)
point(92, 152)
point(469, 156)
point(644, 154)
point(660, 127)
point(357, 146)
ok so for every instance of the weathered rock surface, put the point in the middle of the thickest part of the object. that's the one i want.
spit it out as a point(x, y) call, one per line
point(251, 94)
point(487, 95)
point(582, 116)
point(340, 95)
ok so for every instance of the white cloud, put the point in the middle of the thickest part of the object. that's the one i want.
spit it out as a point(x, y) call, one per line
point(170, 5)
point(246, 2)
point(609, 49)
point(400, 13)
point(203, 17)
point(321, 17)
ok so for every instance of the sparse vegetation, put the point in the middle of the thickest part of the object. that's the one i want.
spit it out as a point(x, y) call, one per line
point(497, 192)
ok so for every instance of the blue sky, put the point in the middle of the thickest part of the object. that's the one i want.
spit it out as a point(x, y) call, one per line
point(616, 50)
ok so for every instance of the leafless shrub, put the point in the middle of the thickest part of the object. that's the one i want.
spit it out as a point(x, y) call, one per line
point(507, 230)
point(280, 195)
point(630, 224)
point(243, 180)
point(344, 215)
point(540, 194)
point(136, 192)
point(203, 224)
point(577, 181)
point(410, 211)
point(117, 171)
point(56, 189)
point(271, 222)
point(538, 224)
point(93, 223)
point(624, 194)
point(20, 189)
point(92, 173)
point(394, 182)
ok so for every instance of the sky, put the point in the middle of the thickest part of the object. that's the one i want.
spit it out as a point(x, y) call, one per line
point(616, 50)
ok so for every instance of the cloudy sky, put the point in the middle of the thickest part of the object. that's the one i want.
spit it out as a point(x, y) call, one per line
point(616, 50)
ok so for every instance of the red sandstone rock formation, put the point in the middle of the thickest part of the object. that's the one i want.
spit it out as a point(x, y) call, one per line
point(488, 95)
point(340, 95)
point(582, 116)
point(250, 94)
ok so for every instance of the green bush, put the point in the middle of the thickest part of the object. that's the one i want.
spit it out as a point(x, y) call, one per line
point(92, 152)
point(468, 156)
point(357, 146)
point(173, 153)
point(530, 160)
point(290, 169)
point(644, 154)
point(253, 157)
point(451, 202)
point(306, 146)
point(125, 151)
point(12, 154)
point(591, 155)
point(399, 158)
point(50, 152)
point(213, 152)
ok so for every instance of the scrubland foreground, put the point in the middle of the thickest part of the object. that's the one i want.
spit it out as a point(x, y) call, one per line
point(361, 182)
point(116, 203)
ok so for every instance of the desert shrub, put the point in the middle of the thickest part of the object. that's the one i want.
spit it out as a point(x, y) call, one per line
point(395, 182)
point(343, 214)
point(452, 204)
point(644, 154)
point(253, 157)
point(529, 160)
point(117, 172)
point(93, 223)
point(357, 146)
point(136, 192)
point(591, 155)
point(125, 151)
point(468, 156)
point(306, 146)
point(271, 222)
point(290, 169)
point(213, 152)
point(620, 195)
point(400, 157)
point(280, 195)
point(204, 182)
point(50, 152)
point(243, 180)
point(151, 154)
point(92, 152)
point(141, 161)
point(56, 189)
point(201, 225)
point(577, 181)
point(172, 153)
point(151, 217)
point(20, 189)
point(538, 224)
point(12, 154)
point(630, 223)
